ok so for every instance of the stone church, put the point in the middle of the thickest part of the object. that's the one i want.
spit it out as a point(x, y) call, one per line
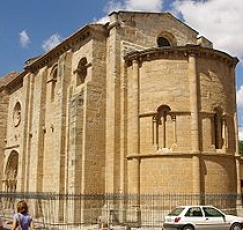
point(139, 105)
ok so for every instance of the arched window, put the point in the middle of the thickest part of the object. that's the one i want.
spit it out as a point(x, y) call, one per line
point(81, 71)
point(166, 39)
point(217, 128)
point(161, 41)
point(54, 82)
point(17, 114)
point(160, 121)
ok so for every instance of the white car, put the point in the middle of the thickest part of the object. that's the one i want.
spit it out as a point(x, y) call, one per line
point(201, 217)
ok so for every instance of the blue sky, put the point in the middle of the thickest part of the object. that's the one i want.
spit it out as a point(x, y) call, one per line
point(29, 28)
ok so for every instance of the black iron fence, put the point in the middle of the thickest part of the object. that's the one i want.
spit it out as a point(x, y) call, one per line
point(78, 211)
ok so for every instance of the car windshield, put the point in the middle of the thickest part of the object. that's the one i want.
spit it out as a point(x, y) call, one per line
point(176, 211)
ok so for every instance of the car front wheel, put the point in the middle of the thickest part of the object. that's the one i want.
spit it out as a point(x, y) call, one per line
point(236, 226)
point(189, 227)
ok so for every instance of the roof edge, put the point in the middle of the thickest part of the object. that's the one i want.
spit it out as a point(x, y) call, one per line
point(154, 13)
point(186, 50)
point(64, 46)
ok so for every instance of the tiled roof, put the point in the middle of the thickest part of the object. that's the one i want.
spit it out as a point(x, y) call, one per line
point(6, 79)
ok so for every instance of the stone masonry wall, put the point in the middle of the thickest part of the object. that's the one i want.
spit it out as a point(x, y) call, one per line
point(3, 127)
point(136, 31)
point(216, 89)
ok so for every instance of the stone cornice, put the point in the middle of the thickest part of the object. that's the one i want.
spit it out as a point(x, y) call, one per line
point(33, 65)
point(15, 83)
point(83, 35)
point(172, 113)
point(184, 154)
point(12, 147)
point(7, 79)
point(179, 51)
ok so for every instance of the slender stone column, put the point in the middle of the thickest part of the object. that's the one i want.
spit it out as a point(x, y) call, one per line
point(136, 139)
point(194, 123)
point(30, 158)
point(194, 103)
point(112, 110)
point(237, 162)
point(173, 118)
point(196, 174)
point(155, 133)
point(136, 106)
point(238, 175)
point(212, 131)
point(238, 179)
point(225, 134)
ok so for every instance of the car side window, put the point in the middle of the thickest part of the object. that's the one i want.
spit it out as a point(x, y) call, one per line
point(194, 212)
point(211, 212)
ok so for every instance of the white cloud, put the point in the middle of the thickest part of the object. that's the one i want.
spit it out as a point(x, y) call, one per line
point(132, 5)
point(51, 42)
point(114, 5)
point(102, 20)
point(239, 96)
point(24, 38)
point(240, 133)
point(136, 5)
point(151, 5)
point(218, 20)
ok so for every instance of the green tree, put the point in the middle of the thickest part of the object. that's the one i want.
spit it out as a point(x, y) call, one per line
point(241, 148)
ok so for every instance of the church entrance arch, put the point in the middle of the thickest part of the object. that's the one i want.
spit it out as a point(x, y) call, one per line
point(11, 171)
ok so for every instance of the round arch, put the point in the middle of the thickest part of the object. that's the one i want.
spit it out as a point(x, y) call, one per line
point(11, 171)
point(166, 39)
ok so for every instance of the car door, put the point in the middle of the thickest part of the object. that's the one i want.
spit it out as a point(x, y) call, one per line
point(194, 216)
point(214, 219)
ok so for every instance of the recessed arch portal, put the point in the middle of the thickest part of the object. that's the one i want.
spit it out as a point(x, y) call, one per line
point(11, 171)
